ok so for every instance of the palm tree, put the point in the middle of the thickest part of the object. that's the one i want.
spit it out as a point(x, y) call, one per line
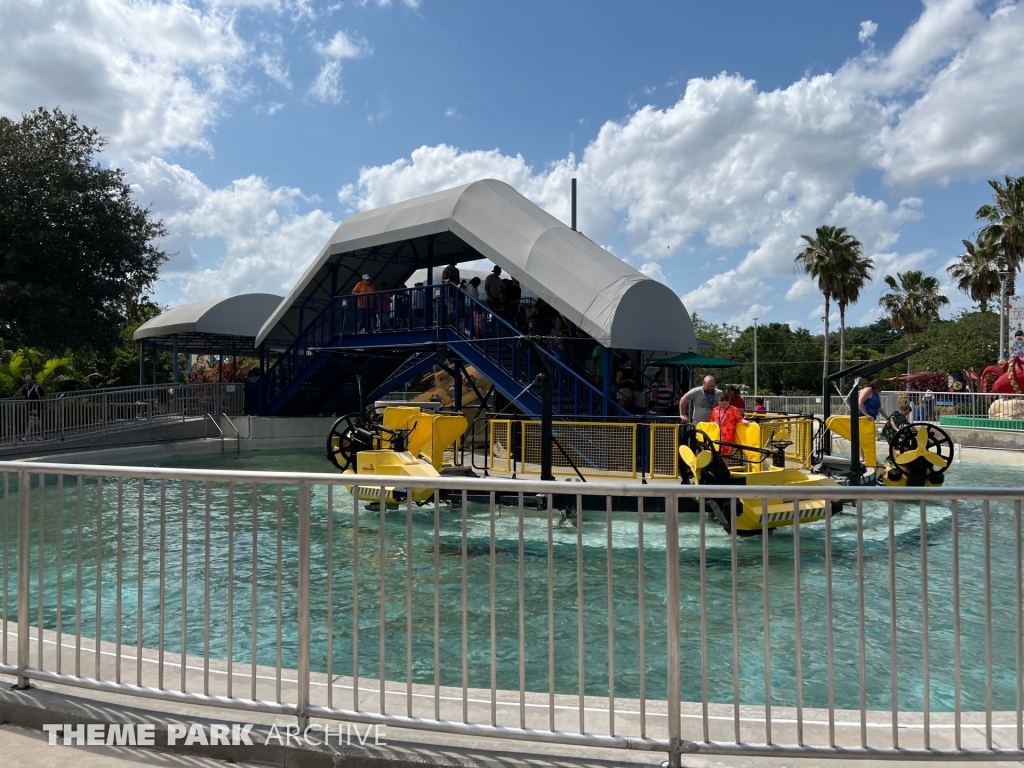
point(852, 277)
point(913, 302)
point(1005, 228)
point(824, 259)
point(976, 270)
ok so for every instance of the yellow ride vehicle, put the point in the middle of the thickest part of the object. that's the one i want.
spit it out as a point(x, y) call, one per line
point(712, 461)
point(404, 442)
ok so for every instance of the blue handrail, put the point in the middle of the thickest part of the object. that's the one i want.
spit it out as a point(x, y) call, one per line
point(432, 308)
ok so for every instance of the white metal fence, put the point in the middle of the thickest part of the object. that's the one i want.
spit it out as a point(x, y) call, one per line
point(975, 410)
point(63, 415)
point(893, 632)
point(807, 404)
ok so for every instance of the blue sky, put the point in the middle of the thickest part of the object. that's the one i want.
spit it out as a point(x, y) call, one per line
point(706, 137)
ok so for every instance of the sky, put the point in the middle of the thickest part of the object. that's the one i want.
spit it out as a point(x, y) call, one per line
point(705, 137)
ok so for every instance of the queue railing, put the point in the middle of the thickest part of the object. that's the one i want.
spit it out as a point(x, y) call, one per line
point(63, 415)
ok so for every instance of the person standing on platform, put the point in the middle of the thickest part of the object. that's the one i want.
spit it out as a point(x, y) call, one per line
point(726, 416)
point(363, 302)
point(735, 399)
point(701, 399)
point(492, 288)
point(659, 396)
point(451, 273)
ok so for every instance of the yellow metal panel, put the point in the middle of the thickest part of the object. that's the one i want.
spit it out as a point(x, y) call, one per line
point(501, 445)
point(841, 425)
point(599, 449)
point(664, 456)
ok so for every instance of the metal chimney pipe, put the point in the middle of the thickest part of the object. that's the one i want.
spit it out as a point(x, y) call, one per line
point(574, 205)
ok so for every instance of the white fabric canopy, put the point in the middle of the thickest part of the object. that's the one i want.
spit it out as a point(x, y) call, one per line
point(242, 315)
point(605, 297)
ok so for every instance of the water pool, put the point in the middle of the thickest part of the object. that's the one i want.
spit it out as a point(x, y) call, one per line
point(62, 520)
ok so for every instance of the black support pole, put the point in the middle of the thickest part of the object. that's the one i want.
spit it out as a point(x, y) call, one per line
point(574, 205)
point(855, 468)
point(545, 427)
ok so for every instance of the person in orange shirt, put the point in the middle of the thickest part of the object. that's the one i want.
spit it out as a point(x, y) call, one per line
point(726, 416)
point(363, 303)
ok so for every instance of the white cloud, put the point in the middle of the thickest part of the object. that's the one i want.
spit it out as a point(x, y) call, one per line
point(344, 46)
point(801, 289)
point(264, 236)
point(653, 270)
point(452, 112)
point(746, 170)
point(275, 68)
point(967, 123)
point(745, 319)
point(867, 30)
point(150, 75)
point(327, 86)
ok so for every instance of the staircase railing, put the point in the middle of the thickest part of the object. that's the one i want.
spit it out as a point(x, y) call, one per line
point(439, 311)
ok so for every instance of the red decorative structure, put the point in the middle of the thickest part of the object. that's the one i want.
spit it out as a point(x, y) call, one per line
point(1000, 378)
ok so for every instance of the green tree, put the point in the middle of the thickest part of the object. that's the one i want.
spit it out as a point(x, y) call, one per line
point(824, 259)
point(63, 372)
point(1005, 227)
point(880, 336)
point(77, 252)
point(976, 270)
point(913, 302)
point(855, 273)
point(789, 362)
point(123, 368)
point(969, 341)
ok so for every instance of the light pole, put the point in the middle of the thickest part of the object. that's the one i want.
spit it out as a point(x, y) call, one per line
point(755, 358)
point(1002, 314)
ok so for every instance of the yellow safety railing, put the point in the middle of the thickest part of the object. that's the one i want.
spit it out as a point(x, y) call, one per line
point(598, 449)
point(664, 451)
point(500, 448)
point(798, 430)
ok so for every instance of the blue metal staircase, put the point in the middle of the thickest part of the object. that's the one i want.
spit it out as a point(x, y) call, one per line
point(378, 341)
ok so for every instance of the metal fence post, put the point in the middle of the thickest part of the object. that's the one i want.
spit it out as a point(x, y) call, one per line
point(303, 608)
point(24, 533)
point(672, 633)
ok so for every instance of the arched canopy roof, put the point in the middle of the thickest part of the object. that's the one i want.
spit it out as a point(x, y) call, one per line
point(213, 325)
point(609, 300)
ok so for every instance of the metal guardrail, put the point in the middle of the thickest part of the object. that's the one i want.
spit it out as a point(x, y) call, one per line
point(320, 608)
point(63, 415)
point(975, 410)
point(807, 404)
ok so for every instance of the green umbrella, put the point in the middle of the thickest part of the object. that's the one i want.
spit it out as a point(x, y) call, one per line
point(697, 360)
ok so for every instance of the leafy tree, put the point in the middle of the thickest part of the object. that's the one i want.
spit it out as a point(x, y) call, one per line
point(826, 257)
point(721, 336)
point(855, 273)
point(789, 362)
point(54, 373)
point(970, 341)
point(1005, 227)
point(77, 252)
point(976, 270)
point(913, 302)
point(879, 336)
point(123, 368)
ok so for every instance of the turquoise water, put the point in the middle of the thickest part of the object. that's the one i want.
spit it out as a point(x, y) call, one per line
point(63, 519)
